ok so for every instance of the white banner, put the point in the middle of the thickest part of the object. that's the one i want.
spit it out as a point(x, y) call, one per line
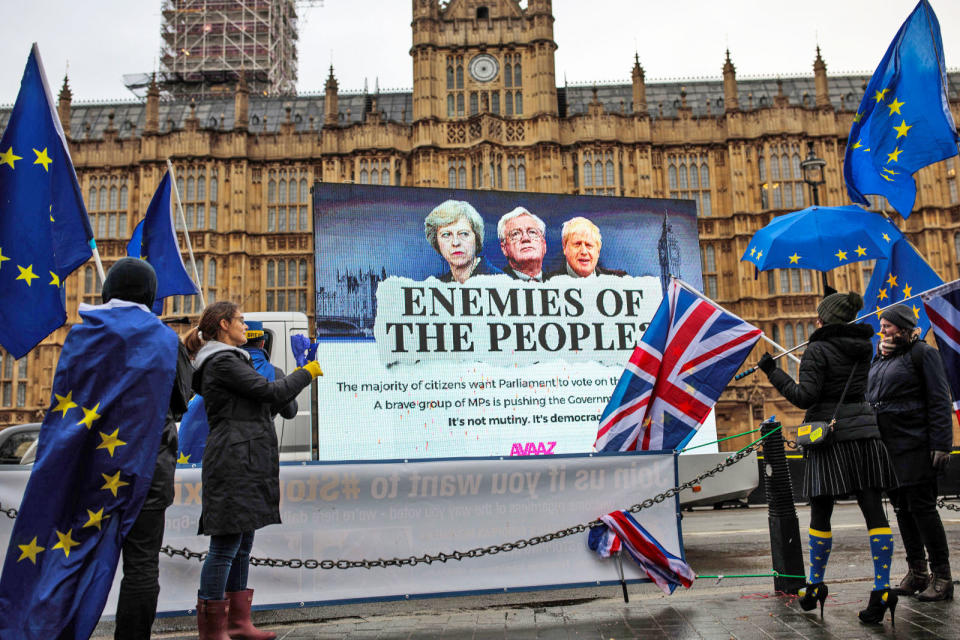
point(355, 511)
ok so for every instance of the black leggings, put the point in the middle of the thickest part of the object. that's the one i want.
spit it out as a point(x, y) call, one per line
point(871, 505)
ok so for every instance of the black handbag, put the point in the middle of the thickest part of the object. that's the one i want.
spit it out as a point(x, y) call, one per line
point(816, 434)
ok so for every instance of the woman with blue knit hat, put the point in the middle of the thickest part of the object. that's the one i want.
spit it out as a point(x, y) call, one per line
point(834, 367)
point(908, 388)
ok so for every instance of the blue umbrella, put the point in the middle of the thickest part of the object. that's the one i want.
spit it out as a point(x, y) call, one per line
point(822, 238)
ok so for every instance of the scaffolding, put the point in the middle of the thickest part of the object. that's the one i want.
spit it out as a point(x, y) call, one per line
point(208, 44)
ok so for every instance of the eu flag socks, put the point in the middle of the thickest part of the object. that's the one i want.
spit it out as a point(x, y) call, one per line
point(820, 545)
point(881, 548)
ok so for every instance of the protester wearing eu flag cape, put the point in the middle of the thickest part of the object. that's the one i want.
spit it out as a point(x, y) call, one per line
point(241, 465)
point(194, 427)
point(904, 121)
point(97, 457)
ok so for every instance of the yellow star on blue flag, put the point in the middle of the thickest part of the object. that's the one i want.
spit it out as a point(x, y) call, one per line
point(96, 455)
point(38, 182)
point(904, 117)
point(895, 279)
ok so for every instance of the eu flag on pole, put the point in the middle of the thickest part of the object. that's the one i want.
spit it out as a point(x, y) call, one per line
point(155, 241)
point(682, 364)
point(904, 275)
point(904, 121)
point(95, 460)
point(44, 231)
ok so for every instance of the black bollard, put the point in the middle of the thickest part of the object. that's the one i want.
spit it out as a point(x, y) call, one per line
point(785, 548)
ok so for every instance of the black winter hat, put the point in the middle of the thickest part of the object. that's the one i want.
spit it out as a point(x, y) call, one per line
point(900, 315)
point(839, 308)
point(132, 280)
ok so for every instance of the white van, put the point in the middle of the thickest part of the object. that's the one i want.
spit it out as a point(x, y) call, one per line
point(296, 437)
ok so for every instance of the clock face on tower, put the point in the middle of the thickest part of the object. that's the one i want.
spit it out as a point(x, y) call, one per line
point(484, 67)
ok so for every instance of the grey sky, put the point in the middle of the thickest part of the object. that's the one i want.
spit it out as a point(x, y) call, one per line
point(370, 39)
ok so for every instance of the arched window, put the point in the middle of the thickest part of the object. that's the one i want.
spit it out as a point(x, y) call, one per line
point(459, 104)
point(450, 106)
point(459, 76)
point(123, 197)
point(610, 176)
point(518, 97)
point(92, 199)
point(517, 77)
point(598, 172)
point(473, 103)
point(522, 176)
point(508, 75)
point(672, 176)
point(508, 103)
point(272, 191)
point(450, 79)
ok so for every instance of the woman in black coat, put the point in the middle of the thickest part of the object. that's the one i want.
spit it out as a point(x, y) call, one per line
point(241, 465)
point(855, 461)
point(908, 388)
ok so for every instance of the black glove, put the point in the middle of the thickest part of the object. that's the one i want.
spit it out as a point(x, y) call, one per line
point(767, 364)
point(939, 459)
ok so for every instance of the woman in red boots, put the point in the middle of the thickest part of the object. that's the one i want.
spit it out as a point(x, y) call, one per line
point(241, 466)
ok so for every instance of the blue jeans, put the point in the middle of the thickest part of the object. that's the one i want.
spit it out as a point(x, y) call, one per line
point(226, 566)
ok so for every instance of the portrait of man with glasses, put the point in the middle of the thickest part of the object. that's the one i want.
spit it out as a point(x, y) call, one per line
point(524, 243)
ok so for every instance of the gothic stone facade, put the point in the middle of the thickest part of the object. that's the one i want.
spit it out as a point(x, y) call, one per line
point(485, 112)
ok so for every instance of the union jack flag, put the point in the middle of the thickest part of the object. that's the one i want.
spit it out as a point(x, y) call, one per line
point(665, 569)
point(943, 309)
point(682, 364)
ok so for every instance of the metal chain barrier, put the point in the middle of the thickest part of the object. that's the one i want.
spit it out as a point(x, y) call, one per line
point(943, 504)
point(478, 552)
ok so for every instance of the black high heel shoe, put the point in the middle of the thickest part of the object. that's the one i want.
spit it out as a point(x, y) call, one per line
point(880, 601)
point(814, 594)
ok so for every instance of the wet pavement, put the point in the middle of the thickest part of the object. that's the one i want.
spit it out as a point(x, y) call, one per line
point(728, 542)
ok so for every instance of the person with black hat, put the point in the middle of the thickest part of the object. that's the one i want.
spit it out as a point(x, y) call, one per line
point(855, 461)
point(134, 280)
point(908, 388)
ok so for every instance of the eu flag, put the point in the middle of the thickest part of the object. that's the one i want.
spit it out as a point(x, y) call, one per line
point(155, 241)
point(904, 121)
point(95, 460)
point(904, 275)
point(44, 231)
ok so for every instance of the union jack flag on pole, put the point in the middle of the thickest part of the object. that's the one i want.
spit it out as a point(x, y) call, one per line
point(943, 309)
point(684, 361)
point(665, 569)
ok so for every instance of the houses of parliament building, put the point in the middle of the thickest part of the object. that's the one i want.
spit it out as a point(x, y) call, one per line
point(485, 112)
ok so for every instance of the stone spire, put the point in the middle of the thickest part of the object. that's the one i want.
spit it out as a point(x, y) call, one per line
point(241, 104)
point(639, 87)
point(730, 100)
point(331, 109)
point(152, 122)
point(63, 106)
point(820, 81)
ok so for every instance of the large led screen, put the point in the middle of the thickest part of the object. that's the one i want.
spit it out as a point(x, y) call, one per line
point(459, 323)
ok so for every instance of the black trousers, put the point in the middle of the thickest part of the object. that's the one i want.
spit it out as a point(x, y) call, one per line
point(920, 525)
point(140, 586)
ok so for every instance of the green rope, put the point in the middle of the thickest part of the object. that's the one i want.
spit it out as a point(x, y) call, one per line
point(737, 435)
point(775, 574)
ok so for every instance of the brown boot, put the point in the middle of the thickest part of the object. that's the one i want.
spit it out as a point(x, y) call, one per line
point(915, 581)
point(940, 588)
point(240, 627)
point(212, 619)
